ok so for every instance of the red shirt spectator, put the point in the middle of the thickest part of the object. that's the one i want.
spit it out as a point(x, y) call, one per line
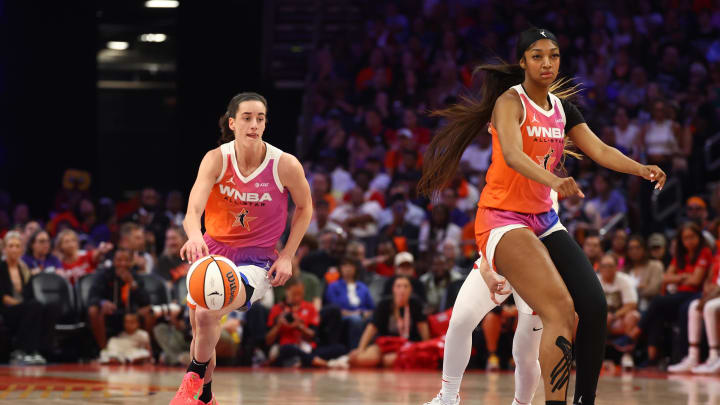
point(290, 320)
point(704, 259)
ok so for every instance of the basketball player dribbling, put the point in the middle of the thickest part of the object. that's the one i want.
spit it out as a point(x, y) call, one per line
point(241, 186)
point(553, 276)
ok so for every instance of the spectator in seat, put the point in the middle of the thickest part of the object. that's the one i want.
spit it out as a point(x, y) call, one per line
point(439, 228)
point(331, 248)
point(114, 293)
point(75, 262)
point(358, 217)
point(28, 231)
point(622, 302)
point(703, 310)
point(618, 246)
point(32, 324)
point(384, 263)
point(436, 282)
point(150, 215)
point(174, 208)
point(400, 230)
point(696, 211)
point(658, 249)
point(413, 214)
point(38, 257)
point(132, 237)
point(132, 345)
point(457, 216)
point(647, 273)
point(400, 315)
point(322, 191)
point(293, 325)
point(593, 249)
point(321, 222)
point(683, 283)
point(606, 201)
point(169, 265)
point(405, 267)
point(353, 298)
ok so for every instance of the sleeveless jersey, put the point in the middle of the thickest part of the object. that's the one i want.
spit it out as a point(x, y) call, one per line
point(247, 211)
point(543, 135)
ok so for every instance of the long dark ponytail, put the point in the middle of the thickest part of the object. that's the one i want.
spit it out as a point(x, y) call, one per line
point(226, 134)
point(465, 120)
point(468, 118)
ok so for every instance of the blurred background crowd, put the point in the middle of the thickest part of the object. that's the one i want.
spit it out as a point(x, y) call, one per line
point(98, 278)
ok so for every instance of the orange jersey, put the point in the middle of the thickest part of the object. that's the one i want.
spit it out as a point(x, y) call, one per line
point(247, 211)
point(543, 136)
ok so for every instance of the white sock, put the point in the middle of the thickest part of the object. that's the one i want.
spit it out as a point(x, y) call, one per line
point(694, 353)
point(526, 349)
point(472, 304)
point(714, 353)
point(450, 388)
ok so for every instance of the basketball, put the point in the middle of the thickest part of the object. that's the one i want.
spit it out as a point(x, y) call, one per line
point(212, 282)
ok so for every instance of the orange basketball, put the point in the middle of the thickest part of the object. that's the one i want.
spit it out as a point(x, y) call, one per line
point(212, 282)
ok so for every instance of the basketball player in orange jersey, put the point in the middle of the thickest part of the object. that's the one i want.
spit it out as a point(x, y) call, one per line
point(242, 186)
point(527, 123)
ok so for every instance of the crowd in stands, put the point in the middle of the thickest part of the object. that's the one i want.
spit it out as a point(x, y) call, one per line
point(380, 266)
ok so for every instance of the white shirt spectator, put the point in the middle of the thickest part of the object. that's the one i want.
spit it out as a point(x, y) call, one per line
point(476, 157)
point(315, 230)
point(413, 215)
point(345, 211)
point(451, 232)
point(620, 292)
point(341, 181)
point(380, 182)
point(628, 137)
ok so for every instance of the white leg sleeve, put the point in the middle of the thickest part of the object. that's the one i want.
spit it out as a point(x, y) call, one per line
point(472, 304)
point(694, 323)
point(710, 314)
point(526, 350)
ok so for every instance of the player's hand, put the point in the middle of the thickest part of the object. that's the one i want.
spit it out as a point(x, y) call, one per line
point(654, 174)
point(280, 272)
point(566, 187)
point(496, 283)
point(194, 249)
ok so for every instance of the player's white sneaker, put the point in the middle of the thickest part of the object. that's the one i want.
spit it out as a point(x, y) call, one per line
point(684, 366)
point(627, 361)
point(438, 400)
point(711, 366)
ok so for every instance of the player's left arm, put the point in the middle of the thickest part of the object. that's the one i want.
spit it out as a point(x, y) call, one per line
point(611, 158)
point(293, 178)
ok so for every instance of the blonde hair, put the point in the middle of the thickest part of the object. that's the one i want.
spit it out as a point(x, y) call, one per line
point(12, 235)
point(65, 232)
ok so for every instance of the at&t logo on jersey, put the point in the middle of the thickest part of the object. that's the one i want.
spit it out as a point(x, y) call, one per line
point(244, 196)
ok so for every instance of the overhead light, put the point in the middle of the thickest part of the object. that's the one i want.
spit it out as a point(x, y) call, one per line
point(118, 45)
point(153, 37)
point(162, 3)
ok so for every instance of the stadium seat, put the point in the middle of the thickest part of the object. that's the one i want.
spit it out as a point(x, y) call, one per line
point(82, 292)
point(154, 286)
point(52, 289)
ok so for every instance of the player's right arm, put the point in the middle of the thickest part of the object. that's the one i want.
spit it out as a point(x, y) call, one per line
point(506, 118)
point(210, 167)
